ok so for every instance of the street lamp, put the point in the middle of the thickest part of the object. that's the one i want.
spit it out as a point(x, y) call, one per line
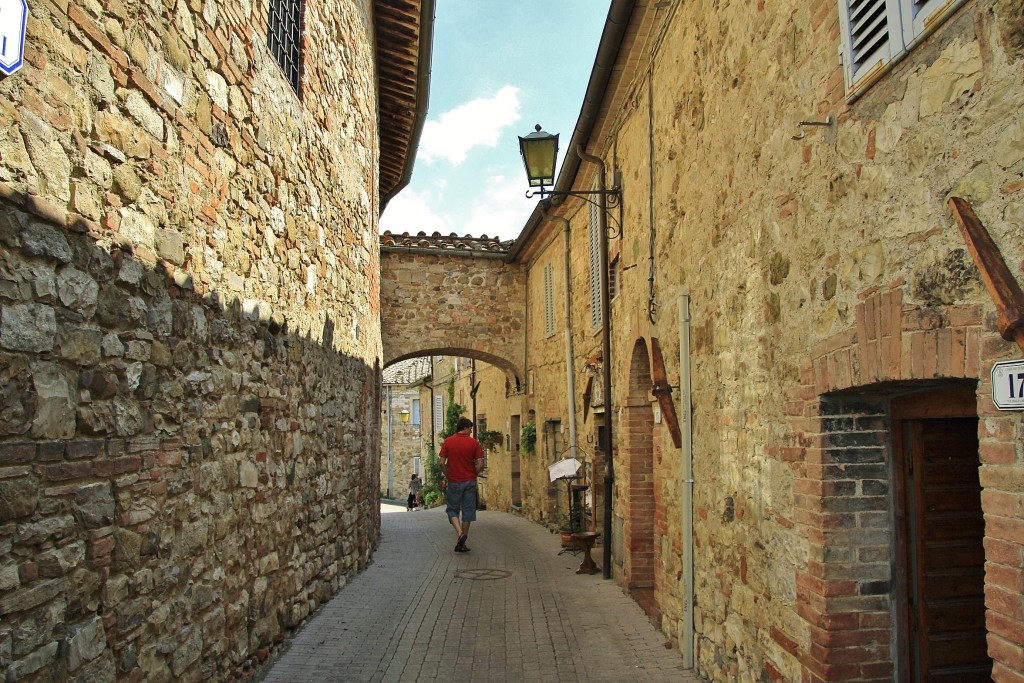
point(540, 152)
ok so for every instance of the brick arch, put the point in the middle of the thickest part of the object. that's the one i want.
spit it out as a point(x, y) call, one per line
point(841, 472)
point(453, 303)
point(637, 448)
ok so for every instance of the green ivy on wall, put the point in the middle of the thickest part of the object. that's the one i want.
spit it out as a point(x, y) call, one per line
point(528, 437)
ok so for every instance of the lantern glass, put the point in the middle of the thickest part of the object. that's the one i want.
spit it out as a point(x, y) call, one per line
point(540, 153)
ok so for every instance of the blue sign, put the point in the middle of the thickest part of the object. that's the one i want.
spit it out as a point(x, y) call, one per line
point(13, 19)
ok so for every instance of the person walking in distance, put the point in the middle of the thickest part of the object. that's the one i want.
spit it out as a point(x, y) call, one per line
point(462, 459)
point(415, 484)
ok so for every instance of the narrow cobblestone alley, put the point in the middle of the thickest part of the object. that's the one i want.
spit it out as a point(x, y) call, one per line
point(512, 609)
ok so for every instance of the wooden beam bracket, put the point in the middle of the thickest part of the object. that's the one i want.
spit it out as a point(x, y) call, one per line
point(1002, 287)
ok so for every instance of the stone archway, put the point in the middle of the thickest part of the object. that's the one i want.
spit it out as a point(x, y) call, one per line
point(447, 297)
point(505, 365)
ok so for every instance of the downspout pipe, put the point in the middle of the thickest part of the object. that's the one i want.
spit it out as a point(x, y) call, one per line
point(570, 375)
point(686, 410)
point(606, 356)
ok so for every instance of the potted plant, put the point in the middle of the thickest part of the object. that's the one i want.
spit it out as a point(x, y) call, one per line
point(489, 439)
point(567, 525)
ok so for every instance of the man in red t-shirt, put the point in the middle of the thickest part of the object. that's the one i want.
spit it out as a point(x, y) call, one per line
point(462, 458)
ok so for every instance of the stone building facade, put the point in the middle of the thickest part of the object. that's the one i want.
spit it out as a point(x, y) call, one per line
point(189, 328)
point(836, 497)
point(404, 425)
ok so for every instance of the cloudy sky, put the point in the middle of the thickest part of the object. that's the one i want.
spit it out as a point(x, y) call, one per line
point(499, 67)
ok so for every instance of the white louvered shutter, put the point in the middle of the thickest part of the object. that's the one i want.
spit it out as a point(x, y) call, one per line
point(916, 12)
point(594, 227)
point(438, 415)
point(549, 300)
point(871, 35)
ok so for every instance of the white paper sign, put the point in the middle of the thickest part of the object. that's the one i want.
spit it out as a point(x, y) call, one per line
point(1008, 384)
point(13, 19)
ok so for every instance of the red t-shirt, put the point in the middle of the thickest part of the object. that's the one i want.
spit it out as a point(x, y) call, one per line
point(461, 451)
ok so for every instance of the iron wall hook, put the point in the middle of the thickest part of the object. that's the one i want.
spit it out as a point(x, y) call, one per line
point(800, 126)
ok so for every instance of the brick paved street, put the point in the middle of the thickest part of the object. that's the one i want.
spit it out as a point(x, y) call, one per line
point(512, 609)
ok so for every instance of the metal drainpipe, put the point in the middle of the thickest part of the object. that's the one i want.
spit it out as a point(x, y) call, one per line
point(570, 377)
point(686, 411)
point(606, 358)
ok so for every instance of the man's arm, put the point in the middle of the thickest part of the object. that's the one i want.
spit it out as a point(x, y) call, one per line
point(478, 461)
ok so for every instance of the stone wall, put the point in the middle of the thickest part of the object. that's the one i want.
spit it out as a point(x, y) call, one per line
point(188, 335)
point(780, 243)
point(452, 304)
point(816, 269)
point(403, 439)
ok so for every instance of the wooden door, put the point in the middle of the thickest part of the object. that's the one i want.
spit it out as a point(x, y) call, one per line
point(943, 555)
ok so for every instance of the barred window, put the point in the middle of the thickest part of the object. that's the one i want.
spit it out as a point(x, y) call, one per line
point(284, 37)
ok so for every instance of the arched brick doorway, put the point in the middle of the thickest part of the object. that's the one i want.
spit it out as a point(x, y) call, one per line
point(637, 439)
point(892, 500)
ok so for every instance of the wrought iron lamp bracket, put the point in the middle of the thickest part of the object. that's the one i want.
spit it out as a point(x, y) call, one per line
point(613, 200)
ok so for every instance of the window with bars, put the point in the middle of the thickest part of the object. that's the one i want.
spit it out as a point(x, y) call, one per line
point(284, 37)
point(875, 33)
point(549, 300)
point(594, 232)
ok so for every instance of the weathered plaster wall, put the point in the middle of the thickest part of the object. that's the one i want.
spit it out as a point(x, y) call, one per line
point(188, 335)
point(494, 413)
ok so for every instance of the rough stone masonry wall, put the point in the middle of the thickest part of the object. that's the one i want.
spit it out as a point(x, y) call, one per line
point(188, 436)
point(781, 244)
point(405, 439)
point(455, 305)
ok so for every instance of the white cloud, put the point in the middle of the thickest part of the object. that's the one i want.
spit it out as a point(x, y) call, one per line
point(475, 123)
point(411, 212)
point(503, 211)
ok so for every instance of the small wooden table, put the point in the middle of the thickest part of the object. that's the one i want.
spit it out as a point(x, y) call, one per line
point(585, 540)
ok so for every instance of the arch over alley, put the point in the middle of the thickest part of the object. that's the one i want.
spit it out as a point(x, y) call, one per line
point(455, 296)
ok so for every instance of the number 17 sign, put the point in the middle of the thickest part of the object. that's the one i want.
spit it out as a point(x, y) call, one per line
point(1008, 384)
point(13, 19)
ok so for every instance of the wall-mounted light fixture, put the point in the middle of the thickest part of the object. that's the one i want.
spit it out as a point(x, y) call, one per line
point(539, 150)
point(403, 415)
